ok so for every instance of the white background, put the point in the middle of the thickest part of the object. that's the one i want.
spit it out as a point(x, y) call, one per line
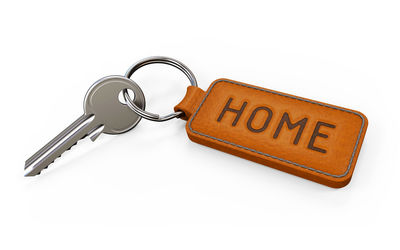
point(152, 188)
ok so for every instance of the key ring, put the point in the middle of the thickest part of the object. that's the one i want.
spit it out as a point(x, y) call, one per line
point(150, 60)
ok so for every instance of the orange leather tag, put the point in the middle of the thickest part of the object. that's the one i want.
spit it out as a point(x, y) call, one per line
point(310, 139)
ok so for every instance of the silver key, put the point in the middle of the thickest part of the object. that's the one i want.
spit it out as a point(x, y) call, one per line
point(103, 113)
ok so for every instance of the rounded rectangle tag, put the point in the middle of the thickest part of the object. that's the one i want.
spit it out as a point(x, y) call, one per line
point(310, 139)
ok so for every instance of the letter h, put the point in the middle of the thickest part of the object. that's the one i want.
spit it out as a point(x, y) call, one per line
point(227, 108)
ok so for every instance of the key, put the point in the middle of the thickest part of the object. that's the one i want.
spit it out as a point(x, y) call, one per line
point(103, 113)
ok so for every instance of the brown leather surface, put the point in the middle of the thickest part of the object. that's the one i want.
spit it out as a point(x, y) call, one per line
point(191, 102)
point(310, 139)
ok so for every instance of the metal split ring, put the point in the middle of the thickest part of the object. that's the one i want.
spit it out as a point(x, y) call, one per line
point(150, 60)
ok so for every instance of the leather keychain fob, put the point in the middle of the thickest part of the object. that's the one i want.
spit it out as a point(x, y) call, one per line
point(310, 139)
point(314, 140)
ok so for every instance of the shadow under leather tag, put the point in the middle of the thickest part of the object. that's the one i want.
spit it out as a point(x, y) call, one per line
point(310, 139)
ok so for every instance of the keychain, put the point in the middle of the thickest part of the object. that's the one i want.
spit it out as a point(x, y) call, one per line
point(314, 140)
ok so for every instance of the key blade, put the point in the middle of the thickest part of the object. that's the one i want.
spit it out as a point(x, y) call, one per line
point(96, 133)
point(79, 129)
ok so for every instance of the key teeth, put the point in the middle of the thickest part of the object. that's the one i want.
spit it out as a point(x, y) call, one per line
point(72, 145)
point(60, 155)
